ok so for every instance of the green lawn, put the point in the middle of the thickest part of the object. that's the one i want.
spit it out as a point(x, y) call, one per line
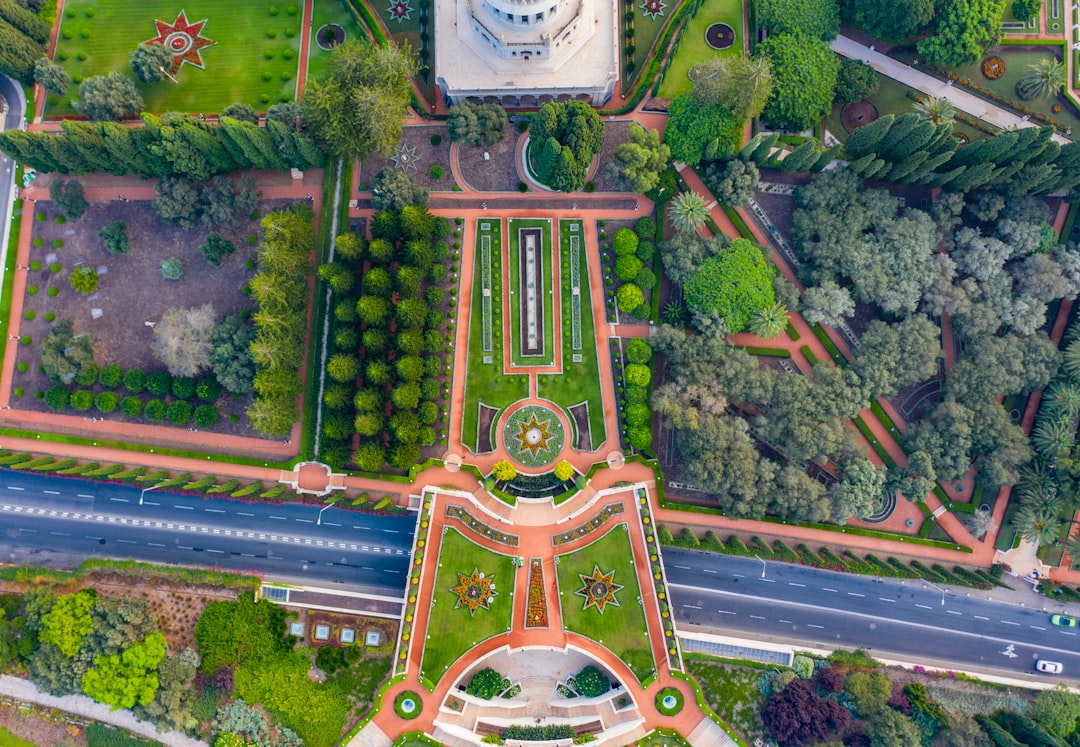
point(485, 382)
point(662, 738)
point(546, 277)
point(579, 382)
point(329, 11)
point(622, 629)
point(891, 98)
point(732, 692)
point(254, 59)
point(693, 48)
point(1017, 61)
point(452, 632)
point(646, 31)
point(7, 739)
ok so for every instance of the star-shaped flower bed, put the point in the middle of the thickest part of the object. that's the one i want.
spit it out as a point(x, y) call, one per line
point(534, 436)
point(653, 8)
point(399, 10)
point(474, 591)
point(599, 589)
point(183, 39)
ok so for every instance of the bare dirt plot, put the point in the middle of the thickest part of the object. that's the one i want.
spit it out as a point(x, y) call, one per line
point(499, 173)
point(131, 290)
point(418, 137)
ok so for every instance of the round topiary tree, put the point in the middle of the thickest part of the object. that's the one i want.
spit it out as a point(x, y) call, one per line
point(640, 437)
point(638, 374)
point(564, 470)
point(106, 402)
point(179, 412)
point(172, 268)
point(503, 471)
point(627, 267)
point(134, 381)
point(131, 407)
point(638, 351)
point(625, 242)
point(629, 298)
point(82, 399)
point(206, 416)
point(155, 410)
point(58, 398)
point(737, 283)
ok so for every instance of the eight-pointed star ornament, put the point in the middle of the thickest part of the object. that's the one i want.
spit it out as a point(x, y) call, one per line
point(184, 40)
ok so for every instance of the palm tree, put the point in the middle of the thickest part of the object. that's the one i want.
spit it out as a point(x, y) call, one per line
point(1052, 437)
point(770, 322)
point(1064, 396)
point(935, 109)
point(676, 314)
point(1044, 79)
point(1071, 360)
point(688, 211)
point(1072, 546)
point(1039, 524)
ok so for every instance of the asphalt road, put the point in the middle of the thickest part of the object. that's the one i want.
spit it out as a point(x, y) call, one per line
point(806, 606)
point(42, 515)
point(9, 89)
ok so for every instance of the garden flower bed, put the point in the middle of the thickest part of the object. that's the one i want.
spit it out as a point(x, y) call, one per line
point(591, 525)
point(536, 615)
point(459, 513)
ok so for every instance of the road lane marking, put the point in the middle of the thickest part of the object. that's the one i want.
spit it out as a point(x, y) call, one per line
point(306, 521)
point(1036, 627)
point(757, 617)
point(826, 588)
point(792, 583)
point(84, 495)
point(738, 575)
point(786, 621)
point(127, 542)
point(150, 503)
point(184, 547)
point(391, 531)
point(1065, 632)
point(330, 524)
point(726, 612)
point(691, 606)
point(811, 625)
point(954, 612)
point(1009, 622)
point(60, 534)
point(855, 594)
point(184, 508)
point(925, 607)
point(980, 617)
point(155, 544)
point(768, 580)
point(13, 487)
point(886, 599)
point(708, 570)
point(682, 567)
point(243, 513)
point(214, 510)
point(51, 492)
point(120, 500)
point(219, 552)
point(279, 518)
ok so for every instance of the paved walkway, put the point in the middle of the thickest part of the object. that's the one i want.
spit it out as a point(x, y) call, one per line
point(966, 102)
point(80, 705)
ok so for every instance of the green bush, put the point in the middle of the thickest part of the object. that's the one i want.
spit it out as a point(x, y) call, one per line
point(179, 412)
point(638, 374)
point(629, 298)
point(106, 402)
point(88, 376)
point(112, 375)
point(486, 684)
point(638, 351)
point(58, 398)
point(645, 228)
point(208, 389)
point(155, 410)
point(134, 381)
point(640, 437)
point(82, 399)
point(627, 267)
point(625, 242)
point(49, 315)
point(591, 683)
point(30, 315)
point(636, 395)
point(638, 415)
point(131, 406)
point(159, 383)
point(206, 416)
point(183, 387)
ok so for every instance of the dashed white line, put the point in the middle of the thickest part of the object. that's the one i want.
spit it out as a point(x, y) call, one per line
point(811, 625)
point(738, 575)
point(826, 588)
point(219, 552)
point(31, 531)
point(214, 510)
point(84, 495)
point(184, 508)
point(788, 622)
point(855, 594)
point(127, 542)
point(1009, 622)
point(51, 492)
point(391, 531)
point(726, 612)
point(60, 534)
point(243, 513)
point(757, 617)
point(1065, 632)
point(279, 518)
point(768, 580)
point(150, 503)
point(1036, 627)
point(708, 570)
point(155, 544)
point(886, 599)
point(980, 617)
point(792, 583)
point(120, 500)
point(691, 606)
point(330, 524)
point(14, 487)
point(184, 547)
point(925, 607)
point(306, 521)
point(683, 568)
point(954, 612)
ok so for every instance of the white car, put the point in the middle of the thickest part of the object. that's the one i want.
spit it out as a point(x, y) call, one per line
point(1049, 667)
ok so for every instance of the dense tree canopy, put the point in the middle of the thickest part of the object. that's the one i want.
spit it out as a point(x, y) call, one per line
point(741, 85)
point(477, 124)
point(696, 131)
point(641, 159)
point(737, 283)
point(357, 107)
point(896, 19)
point(563, 138)
point(965, 30)
point(817, 18)
point(113, 96)
point(805, 70)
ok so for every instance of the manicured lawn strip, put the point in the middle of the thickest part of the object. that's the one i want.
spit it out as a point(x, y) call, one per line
point(579, 382)
point(885, 420)
point(772, 352)
point(869, 434)
point(330, 11)
point(830, 346)
point(622, 630)
point(514, 292)
point(810, 357)
point(663, 738)
point(486, 381)
point(7, 739)
point(312, 403)
point(235, 65)
point(646, 31)
point(693, 47)
point(9, 262)
point(451, 632)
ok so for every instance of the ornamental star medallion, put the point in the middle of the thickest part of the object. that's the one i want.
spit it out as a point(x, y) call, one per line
point(404, 157)
point(184, 40)
point(399, 10)
point(599, 589)
point(653, 8)
point(475, 591)
point(534, 435)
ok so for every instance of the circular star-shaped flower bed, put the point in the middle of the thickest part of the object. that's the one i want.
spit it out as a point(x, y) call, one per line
point(534, 436)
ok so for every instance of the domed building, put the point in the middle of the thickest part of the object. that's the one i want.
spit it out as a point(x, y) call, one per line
point(524, 53)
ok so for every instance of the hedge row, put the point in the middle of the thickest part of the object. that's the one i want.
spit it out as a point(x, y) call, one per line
point(827, 558)
point(176, 411)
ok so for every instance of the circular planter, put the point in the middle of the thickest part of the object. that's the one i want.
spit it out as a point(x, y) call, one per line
point(408, 705)
point(719, 36)
point(669, 701)
point(329, 36)
point(857, 114)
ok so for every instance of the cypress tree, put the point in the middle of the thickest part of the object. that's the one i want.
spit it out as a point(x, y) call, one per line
point(827, 156)
point(256, 144)
point(866, 138)
point(761, 153)
point(230, 138)
point(1049, 154)
point(309, 150)
point(908, 166)
point(859, 165)
point(747, 150)
point(1000, 737)
point(121, 146)
point(917, 139)
point(942, 141)
point(18, 53)
point(949, 176)
point(25, 22)
point(65, 154)
point(84, 138)
point(28, 148)
point(1026, 731)
point(928, 166)
point(801, 158)
point(1032, 180)
point(883, 174)
point(1030, 142)
point(148, 140)
point(974, 177)
point(873, 168)
point(282, 137)
point(900, 129)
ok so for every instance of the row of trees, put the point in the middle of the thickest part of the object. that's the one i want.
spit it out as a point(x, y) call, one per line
point(564, 138)
point(389, 339)
point(173, 144)
point(281, 290)
point(23, 37)
point(634, 251)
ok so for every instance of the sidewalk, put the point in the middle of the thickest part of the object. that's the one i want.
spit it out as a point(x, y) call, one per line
point(80, 705)
point(966, 102)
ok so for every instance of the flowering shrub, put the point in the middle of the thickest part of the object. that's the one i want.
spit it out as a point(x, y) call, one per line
point(536, 613)
point(993, 67)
